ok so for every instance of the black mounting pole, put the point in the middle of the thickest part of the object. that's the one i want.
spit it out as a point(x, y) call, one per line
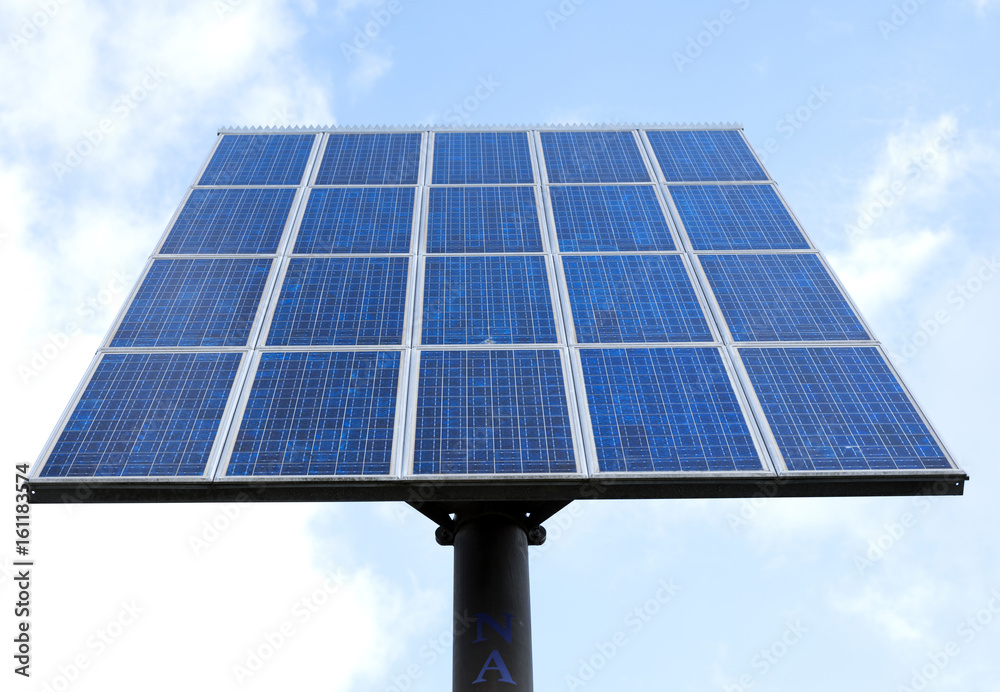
point(492, 625)
point(491, 644)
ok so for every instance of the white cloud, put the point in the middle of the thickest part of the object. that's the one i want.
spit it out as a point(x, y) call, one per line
point(900, 613)
point(163, 75)
point(254, 586)
point(369, 68)
point(895, 231)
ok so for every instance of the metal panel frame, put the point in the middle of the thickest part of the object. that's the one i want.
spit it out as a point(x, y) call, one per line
point(431, 137)
point(550, 210)
point(680, 221)
point(213, 456)
point(418, 324)
point(767, 468)
point(652, 180)
point(395, 453)
point(260, 343)
point(724, 325)
point(772, 445)
point(313, 172)
point(662, 179)
point(307, 193)
point(706, 310)
point(254, 326)
point(573, 416)
point(425, 219)
point(305, 172)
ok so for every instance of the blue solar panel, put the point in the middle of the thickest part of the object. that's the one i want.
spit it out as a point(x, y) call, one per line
point(319, 414)
point(665, 409)
point(839, 409)
point(341, 301)
point(487, 300)
point(146, 414)
point(194, 302)
point(483, 219)
point(593, 157)
point(370, 159)
point(780, 298)
point(470, 158)
point(491, 411)
point(259, 160)
point(368, 220)
point(233, 222)
point(736, 217)
point(611, 218)
point(704, 155)
point(626, 298)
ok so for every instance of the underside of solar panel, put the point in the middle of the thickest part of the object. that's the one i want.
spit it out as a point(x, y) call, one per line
point(488, 314)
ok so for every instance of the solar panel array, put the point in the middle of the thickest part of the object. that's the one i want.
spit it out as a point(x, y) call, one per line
point(558, 304)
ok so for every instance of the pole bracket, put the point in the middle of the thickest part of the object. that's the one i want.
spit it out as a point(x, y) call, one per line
point(449, 517)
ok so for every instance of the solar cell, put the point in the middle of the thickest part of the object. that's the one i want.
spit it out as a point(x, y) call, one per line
point(593, 157)
point(194, 302)
point(840, 408)
point(370, 159)
point(736, 217)
point(665, 409)
point(492, 412)
point(146, 414)
point(704, 155)
point(319, 414)
point(788, 297)
point(360, 220)
point(259, 160)
point(598, 218)
point(487, 300)
point(234, 222)
point(626, 298)
point(470, 158)
point(341, 301)
point(483, 219)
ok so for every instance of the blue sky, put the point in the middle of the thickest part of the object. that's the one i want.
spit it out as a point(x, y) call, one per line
point(879, 122)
